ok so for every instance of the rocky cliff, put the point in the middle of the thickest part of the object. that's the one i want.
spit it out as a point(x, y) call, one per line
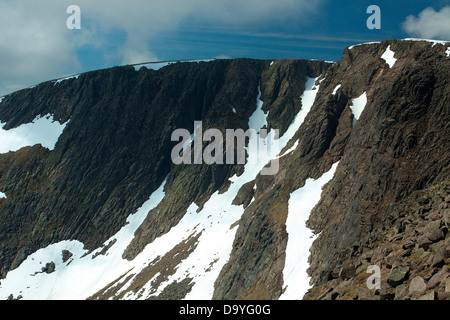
point(382, 114)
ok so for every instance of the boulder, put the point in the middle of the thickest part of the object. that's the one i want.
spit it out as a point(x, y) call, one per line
point(417, 286)
point(433, 231)
point(49, 267)
point(437, 279)
point(397, 276)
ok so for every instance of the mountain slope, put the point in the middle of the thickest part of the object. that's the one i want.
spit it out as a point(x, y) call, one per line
point(118, 219)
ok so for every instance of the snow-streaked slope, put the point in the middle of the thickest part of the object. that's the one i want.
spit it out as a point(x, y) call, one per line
point(308, 98)
point(214, 222)
point(358, 106)
point(81, 275)
point(300, 238)
point(213, 227)
point(388, 56)
point(42, 130)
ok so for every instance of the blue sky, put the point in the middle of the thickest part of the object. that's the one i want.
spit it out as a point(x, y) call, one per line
point(36, 45)
point(321, 35)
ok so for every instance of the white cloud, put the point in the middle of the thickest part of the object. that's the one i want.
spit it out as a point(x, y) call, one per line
point(430, 24)
point(35, 44)
point(32, 46)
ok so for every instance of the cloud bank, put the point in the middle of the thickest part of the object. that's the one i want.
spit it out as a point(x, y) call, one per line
point(430, 24)
point(35, 44)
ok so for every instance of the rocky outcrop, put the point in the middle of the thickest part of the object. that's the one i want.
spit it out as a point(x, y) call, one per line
point(386, 203)
point(397, 149)
point(115, 150)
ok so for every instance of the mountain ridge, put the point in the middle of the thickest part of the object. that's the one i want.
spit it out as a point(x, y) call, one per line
point(105, 183)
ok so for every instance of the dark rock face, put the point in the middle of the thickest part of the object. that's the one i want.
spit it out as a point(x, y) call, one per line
point(396, 153)
point(115, 150)
point(387, 205)
point(397, 149)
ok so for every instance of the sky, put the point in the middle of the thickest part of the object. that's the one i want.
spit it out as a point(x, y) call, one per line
point(36, 44)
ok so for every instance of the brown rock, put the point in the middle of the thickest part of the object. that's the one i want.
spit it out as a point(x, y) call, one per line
point(443, 295)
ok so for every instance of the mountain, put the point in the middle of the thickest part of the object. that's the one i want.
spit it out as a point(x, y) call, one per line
point(93, 205)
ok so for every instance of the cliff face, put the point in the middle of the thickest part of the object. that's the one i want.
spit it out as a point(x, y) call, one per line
point(386, 205)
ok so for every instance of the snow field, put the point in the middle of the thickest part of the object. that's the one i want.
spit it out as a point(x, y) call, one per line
point(388, 56)
point(42, 130)
point(358, 106)
point(300, 238)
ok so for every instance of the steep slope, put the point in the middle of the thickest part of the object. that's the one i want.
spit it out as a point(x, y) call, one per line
point(119, 134)
point(363, 156)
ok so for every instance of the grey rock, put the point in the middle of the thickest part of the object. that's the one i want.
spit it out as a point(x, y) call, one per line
point(446, 218)
point(49, 267)
point(429, 296)
point(66, 255)
point(424, 242)
point(417, 286)
point(433, 231)
point(401, 292)
point(347, 272)
point(437, 279)
point(392, 258)
point(397, 276)
point(438, 259)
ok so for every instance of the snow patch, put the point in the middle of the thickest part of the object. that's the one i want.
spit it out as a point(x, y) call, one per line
point(64, 79)
point(308, 97)
point(388, 56)
point(428, 40)
point(300, 238)
point(361, 44)
point(158, 65)
point(1, 99)
point(336, 89)
point(3, 196)
point(42, 130)
point(447, 52)
point(290, 149)
point(358, 106)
